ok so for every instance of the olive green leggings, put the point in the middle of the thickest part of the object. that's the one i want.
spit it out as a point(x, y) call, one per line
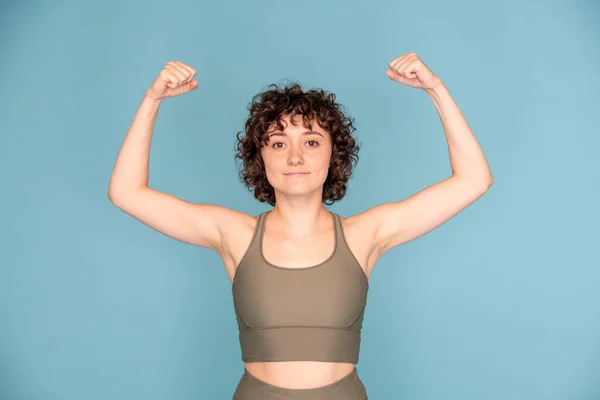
point(350, 387)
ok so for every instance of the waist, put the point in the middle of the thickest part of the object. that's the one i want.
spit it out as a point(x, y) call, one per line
point(299, 374)
point(321, 344)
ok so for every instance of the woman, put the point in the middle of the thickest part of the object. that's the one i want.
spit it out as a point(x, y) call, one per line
point(299, 273)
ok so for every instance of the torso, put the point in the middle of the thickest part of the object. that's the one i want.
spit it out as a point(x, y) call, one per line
point(279, 250)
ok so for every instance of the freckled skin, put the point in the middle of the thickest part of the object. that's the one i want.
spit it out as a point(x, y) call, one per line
point(297, 149)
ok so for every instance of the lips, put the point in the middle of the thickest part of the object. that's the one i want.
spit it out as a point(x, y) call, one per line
point(298, 173)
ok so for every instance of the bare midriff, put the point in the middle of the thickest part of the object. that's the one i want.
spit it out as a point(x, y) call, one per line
point(299, 374)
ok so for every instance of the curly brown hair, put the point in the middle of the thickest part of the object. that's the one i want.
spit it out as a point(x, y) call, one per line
point(267, 109)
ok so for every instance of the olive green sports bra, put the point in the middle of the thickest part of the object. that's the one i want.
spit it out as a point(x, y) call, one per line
point(300, 314)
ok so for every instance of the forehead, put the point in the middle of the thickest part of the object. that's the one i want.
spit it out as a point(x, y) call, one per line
point(297, 123)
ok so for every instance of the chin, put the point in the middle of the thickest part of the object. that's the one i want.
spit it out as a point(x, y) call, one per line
point(298, 190)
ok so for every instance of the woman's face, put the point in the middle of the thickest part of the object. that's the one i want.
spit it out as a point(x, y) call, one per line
point(297, 158)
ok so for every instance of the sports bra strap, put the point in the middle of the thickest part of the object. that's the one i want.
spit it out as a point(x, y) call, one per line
point(339, 232)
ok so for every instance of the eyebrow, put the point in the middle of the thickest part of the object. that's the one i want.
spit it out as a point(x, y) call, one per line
point(305, 133)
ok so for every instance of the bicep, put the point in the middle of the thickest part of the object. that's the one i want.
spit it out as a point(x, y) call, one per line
point(197, 224)
point(396, 223)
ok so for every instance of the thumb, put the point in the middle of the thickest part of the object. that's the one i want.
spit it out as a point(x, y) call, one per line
point(192, 85)
point(393, 75)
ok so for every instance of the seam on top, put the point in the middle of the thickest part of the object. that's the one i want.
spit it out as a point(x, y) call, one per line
point(343, 235)
point(250, 245)
point(331, 256)
point(361, 314)
point(301, 327)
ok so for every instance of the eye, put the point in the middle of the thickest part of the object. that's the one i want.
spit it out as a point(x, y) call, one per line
point(276, 145)
point(313, 143)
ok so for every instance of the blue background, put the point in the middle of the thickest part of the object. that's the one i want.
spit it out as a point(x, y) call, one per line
point(502, 302)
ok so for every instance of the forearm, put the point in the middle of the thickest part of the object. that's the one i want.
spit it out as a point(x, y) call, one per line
point(130, 171)
point(466, 156)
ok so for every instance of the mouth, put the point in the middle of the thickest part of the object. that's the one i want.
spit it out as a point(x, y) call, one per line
point(297, 173)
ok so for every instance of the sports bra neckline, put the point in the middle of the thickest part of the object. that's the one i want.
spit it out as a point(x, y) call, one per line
point(262, 223)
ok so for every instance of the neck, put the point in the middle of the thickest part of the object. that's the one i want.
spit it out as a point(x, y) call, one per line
point(299, 217)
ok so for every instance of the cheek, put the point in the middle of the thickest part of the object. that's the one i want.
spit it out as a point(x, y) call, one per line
point(274, 161)
point(324, 160)
point(273, 166)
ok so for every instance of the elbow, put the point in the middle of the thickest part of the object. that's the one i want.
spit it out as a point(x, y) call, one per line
point(117, 195)
point(112, 192)
point(485, 180)
point(487, 183)
point(113, 197)
point(479, 185)
point(121, 195)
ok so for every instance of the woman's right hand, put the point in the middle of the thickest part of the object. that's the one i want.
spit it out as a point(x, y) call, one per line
point(175, 78)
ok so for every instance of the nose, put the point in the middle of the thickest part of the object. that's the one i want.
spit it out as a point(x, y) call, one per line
point(295, 157)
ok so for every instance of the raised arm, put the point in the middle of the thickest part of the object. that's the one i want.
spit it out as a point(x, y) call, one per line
point(392, 224)
point(198, 224)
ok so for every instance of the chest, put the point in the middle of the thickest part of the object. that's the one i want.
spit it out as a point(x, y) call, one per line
point(287, 252)
point(331, 293)
point(282, 251)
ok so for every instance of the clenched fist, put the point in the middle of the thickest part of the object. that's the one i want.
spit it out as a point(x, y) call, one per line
point(175, 78)
point(411, 71)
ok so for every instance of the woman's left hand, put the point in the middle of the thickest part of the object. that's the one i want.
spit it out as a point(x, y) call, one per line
point(410, 70)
